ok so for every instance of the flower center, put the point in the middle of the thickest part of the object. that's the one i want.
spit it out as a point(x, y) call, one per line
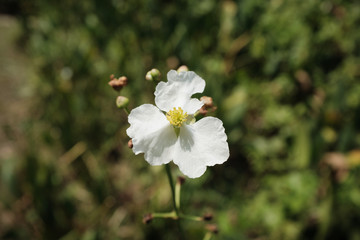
point(176, 117)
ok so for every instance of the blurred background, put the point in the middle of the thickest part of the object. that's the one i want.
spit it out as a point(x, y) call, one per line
point(283, 74)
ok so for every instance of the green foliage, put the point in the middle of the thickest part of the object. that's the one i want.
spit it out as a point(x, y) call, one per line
point(284, 75)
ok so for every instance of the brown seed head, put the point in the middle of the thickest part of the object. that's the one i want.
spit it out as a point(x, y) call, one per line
point(208, 105)
point(123, 80)
point(203, 111)
point(118, 84)
point(208, 101)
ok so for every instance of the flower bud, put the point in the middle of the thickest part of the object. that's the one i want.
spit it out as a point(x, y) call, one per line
point(148, 76)
point(182, 68)
point(122, 102)
point(147, 218)
point(130, 144)
point(118, 84)
point(153, 75)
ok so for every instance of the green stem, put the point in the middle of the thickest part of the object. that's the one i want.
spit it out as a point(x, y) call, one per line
point(165, 215)
point(177, 194)
point(126, 110)
point(196, 113)
point(207, 236)
point(175, 217)
point(171, 182)
point(193, 218)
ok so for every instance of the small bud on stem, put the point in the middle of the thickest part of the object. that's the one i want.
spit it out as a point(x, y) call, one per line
point(130, 144)
point(153, 75)
point(183, 68)
point(122, 102)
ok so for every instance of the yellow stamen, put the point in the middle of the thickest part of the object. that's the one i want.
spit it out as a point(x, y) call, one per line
point(176, 117)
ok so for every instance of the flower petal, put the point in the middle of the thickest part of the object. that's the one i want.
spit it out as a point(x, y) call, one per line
point(178, 90)
point(151, 134)
point(199, 145)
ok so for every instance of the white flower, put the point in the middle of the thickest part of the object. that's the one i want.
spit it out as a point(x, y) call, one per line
point(168, 131)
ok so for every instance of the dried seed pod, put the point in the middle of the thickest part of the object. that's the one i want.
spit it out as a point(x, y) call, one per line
point(118, 84)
